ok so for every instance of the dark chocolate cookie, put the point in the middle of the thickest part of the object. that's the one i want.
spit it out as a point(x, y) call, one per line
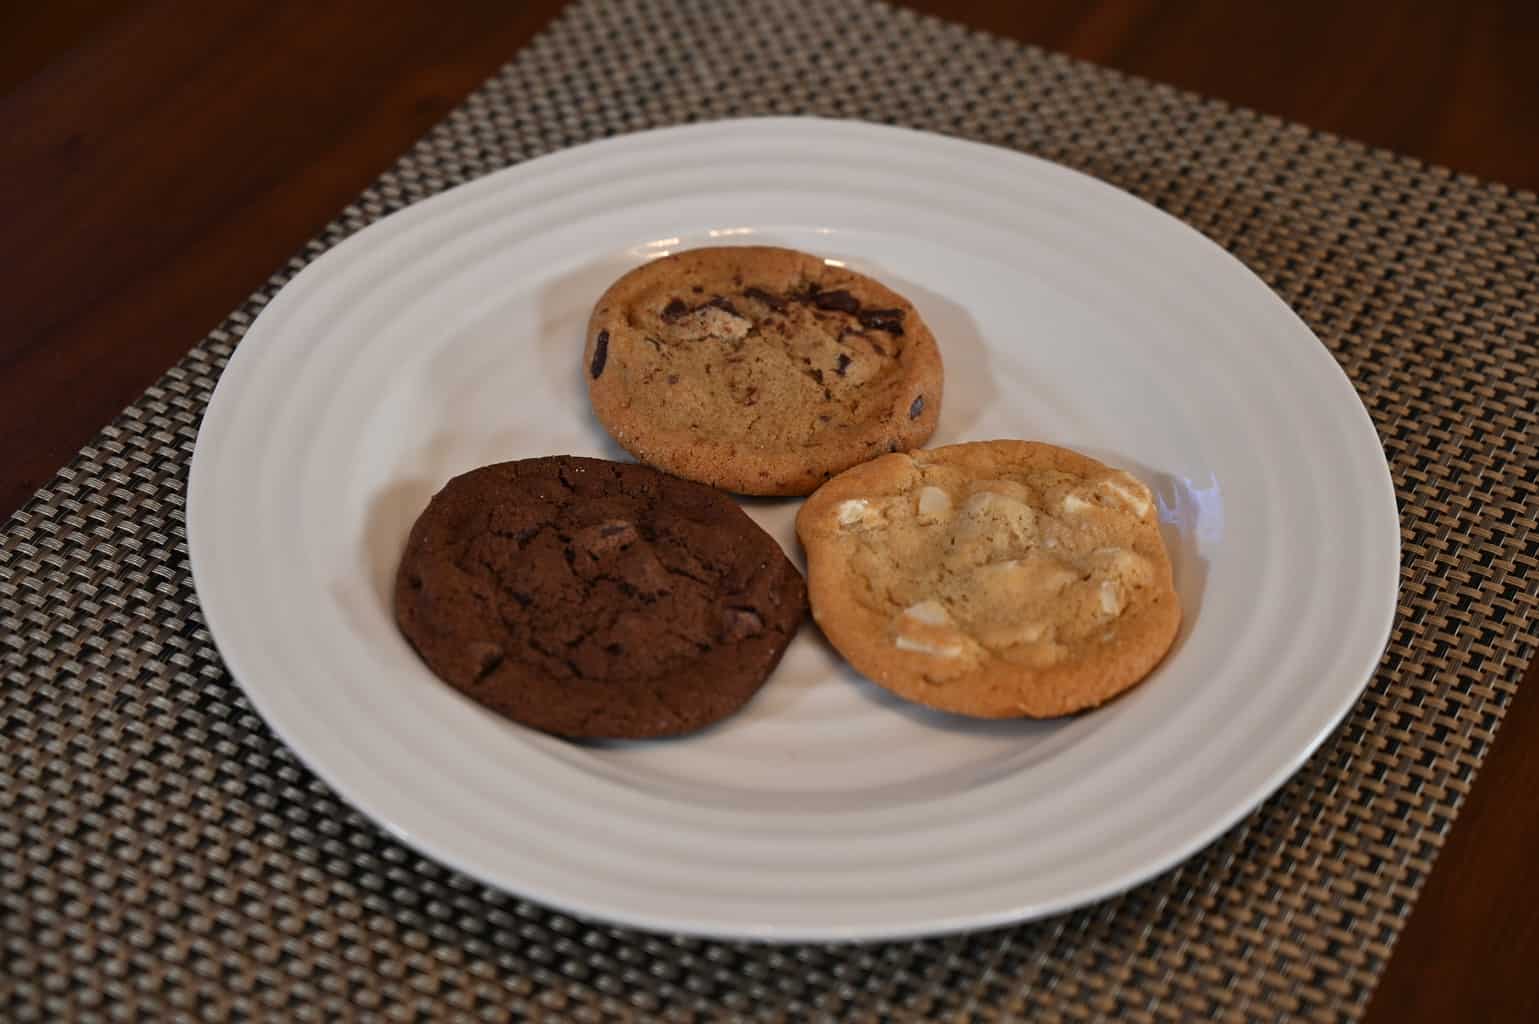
point(596, 599)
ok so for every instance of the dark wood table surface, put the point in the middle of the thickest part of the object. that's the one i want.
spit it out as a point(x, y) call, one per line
point(159, 160)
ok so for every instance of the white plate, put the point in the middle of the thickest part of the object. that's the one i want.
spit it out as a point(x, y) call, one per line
point(450, 335)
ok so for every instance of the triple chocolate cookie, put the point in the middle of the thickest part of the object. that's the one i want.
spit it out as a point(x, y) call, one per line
point(596, 599)
point(995, 579)
point(759, 370)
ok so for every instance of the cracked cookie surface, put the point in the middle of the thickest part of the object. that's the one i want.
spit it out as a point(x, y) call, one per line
point(995, 579)
point(759, 370)
point(596, 599)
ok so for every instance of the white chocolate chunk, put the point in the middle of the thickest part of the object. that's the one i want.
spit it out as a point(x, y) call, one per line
point(906, 643)
point(934, 504)
point(931, 613)
point(1074, 505)
point(1128, 491)
point(1111, 598)
point(855, 512)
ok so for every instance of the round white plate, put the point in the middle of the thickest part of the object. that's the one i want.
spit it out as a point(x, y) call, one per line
point(450, 335)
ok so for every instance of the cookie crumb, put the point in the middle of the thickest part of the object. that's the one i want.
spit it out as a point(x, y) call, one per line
point(929, 611)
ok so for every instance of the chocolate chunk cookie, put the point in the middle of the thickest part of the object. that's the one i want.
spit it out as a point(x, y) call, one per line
point(759, 370)
point(596, 599)
point(995, 579)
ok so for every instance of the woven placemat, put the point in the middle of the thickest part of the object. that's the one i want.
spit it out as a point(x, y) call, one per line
point(163, 855)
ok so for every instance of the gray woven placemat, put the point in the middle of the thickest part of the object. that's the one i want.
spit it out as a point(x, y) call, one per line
point(162, 855)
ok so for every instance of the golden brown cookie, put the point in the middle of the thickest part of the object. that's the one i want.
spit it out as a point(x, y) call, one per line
point(995, 579)
point(759, 370)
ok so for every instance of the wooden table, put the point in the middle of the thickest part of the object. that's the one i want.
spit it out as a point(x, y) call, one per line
point(161, 159)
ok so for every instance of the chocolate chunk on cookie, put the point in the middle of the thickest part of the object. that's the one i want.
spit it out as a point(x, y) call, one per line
point(760, 370)
point(995, 579)
point(596, 599)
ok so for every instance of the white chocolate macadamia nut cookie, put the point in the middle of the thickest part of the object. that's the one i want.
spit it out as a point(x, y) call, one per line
point(996, 579)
